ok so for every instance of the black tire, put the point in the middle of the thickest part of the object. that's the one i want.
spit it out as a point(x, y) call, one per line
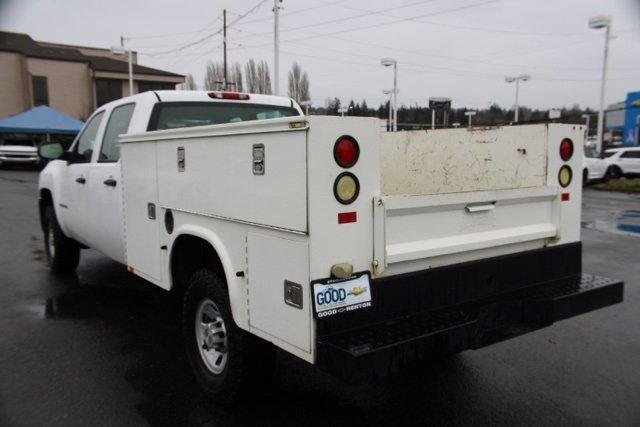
point(607, 175)
point(249, 360)
point(63, 254)
point(616, 172)
point(585, 178)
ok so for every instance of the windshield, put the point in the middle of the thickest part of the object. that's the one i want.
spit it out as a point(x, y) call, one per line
point(591, 152)
point(609, 153)
point(172, 115)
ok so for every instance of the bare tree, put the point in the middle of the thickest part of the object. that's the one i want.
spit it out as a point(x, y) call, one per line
point(214, 75)
point(251, 76)
point(264, 79)
point(298, 84)
point(234, 80)
point(189, 83)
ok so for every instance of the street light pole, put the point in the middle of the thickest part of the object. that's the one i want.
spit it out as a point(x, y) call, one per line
point(517, 79)
point(390, 120)
point(395, 96)
point(587, 119)
point(387, 62)
point(276, 47)
point(599, 22)
point(470, 114)
point(121, 50)
point(130, 73)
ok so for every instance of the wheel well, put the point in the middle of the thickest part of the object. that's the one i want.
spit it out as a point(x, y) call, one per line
point(46, 199)
point(189, 254)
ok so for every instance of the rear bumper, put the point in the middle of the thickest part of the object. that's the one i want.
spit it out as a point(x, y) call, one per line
point(471, 315)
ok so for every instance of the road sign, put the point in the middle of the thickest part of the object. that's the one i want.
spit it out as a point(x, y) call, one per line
point(439, 103)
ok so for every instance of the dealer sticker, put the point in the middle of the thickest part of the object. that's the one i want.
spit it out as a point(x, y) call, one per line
point(337, 296)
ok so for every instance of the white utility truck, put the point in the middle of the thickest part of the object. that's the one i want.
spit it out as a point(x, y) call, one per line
point(351, 248)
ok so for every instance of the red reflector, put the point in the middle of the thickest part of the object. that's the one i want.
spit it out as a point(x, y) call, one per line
point(346, 151)
point(565, 197)
point(346, 217)
point(229, 95)
point(566, 149)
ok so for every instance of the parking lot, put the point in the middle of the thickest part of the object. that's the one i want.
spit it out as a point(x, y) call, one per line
point(101, 347)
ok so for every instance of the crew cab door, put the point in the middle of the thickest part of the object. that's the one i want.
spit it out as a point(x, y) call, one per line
point(104, 188)
point(72, 203)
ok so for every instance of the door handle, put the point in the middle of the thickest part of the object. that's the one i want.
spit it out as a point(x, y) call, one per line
point(480, 208)
point(81, 180)
point(110, 182)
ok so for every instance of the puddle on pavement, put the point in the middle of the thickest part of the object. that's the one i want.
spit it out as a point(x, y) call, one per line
point(625, 222)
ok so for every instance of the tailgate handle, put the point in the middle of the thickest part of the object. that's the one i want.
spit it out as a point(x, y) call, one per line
point(480, 208)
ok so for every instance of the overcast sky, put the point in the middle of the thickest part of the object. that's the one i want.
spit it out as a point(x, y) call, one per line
point(460, 49)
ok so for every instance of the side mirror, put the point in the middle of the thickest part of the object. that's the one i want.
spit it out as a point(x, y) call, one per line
point(51, 151)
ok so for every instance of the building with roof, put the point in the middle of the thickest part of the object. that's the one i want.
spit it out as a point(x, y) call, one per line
point(72, 79)
point(622, 121)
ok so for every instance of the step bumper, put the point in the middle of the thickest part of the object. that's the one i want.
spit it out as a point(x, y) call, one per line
point(382, 348)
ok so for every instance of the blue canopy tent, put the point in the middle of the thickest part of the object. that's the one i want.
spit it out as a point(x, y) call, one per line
point(41, 120)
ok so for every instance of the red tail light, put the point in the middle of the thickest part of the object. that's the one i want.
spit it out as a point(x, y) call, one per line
point(229, 95)
point(346, 151)
point(566, 149)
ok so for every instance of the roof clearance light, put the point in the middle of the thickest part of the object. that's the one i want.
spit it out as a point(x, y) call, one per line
point(346, 188)
point(229, 95)
point(564, 176)
point(566, 149)
point(346, 151)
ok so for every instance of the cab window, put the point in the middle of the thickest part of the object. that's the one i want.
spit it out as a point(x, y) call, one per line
point(173, 115)
point(117, 125)
point(87, 140)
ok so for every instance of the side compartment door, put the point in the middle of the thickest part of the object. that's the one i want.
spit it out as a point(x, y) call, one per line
point(269, 277)
point(106, 232)
point(72, 206)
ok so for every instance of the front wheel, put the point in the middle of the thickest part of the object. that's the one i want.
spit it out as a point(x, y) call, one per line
point(63, 253)
point(227, 362)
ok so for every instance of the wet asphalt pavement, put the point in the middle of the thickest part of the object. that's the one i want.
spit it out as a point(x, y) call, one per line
point(102, 348)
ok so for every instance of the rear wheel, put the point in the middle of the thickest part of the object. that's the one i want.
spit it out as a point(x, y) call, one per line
point(227, 362)
point(616, 172)
point(585, 178)
point(63, 253)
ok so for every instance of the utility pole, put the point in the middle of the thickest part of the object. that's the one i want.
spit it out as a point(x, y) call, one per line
point(224, 42)
point(276, 47)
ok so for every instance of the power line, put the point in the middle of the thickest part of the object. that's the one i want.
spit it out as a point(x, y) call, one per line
point(364, 27)
point(469, 28)
point(207, 37)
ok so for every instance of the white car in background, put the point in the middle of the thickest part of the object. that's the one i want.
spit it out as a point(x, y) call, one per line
point(19, 153)
point(594, 167)
point(624, 162)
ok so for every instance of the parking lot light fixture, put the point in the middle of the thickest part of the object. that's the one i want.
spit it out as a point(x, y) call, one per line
point(388, 62)
point(517, 80)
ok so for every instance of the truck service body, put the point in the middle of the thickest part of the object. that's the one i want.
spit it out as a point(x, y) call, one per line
point(343, 245)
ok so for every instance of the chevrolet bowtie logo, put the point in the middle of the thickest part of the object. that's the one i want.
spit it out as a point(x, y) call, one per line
point(357, 291)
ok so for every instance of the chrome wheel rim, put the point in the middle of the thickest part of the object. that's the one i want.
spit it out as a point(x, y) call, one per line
point(211, 336)
point(50, 242)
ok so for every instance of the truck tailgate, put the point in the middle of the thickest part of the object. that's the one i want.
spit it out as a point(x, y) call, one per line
point(408, 228)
